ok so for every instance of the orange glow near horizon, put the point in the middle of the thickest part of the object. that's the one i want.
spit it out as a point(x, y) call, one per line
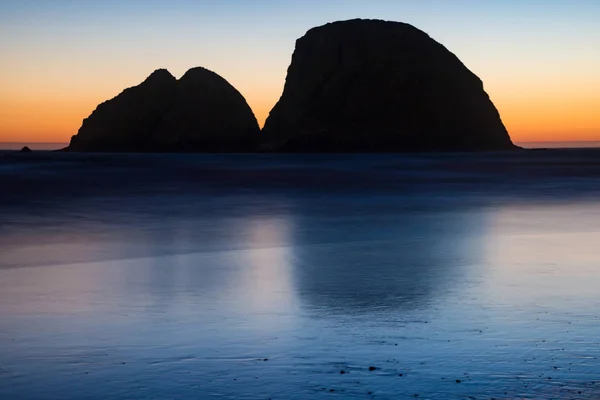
point(40, 122)
point(50, 118)
point(548, 121)
point(39, 109)
point(551, 118)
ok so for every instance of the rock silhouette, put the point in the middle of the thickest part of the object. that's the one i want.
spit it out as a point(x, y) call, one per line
point(378, 86)
point(128, 121)
point(25, 149)
point(199, 112)
point(352, 86)
point(207, 114)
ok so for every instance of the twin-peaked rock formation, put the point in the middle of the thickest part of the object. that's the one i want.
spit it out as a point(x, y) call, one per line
point(199, 112)
point(352, 86)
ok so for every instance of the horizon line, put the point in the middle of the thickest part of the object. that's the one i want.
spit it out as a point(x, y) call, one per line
point(517, 141)
point(49, 146)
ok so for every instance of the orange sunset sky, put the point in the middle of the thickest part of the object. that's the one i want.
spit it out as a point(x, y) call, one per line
point(540, 61)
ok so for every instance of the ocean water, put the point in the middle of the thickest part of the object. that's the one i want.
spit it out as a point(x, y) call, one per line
point(467, 276)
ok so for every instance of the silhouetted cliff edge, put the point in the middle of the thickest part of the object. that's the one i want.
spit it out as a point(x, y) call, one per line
point(199, 112)
point(371, 86)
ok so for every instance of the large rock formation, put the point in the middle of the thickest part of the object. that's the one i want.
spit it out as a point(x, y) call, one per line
point(370, 85)
point(128, 121)
point(200, 112)
point(207, 114)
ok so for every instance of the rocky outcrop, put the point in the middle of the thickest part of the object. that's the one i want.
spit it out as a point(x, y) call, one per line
point(207, 114)
point(25, 149)
point(200, 112)
point(370, 85)
point(128, 121)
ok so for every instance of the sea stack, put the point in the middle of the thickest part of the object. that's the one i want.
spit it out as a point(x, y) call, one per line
point(207, 114)
point(379, 86)
point(200, 112)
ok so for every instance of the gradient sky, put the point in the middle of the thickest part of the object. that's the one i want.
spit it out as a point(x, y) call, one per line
point(539, 60)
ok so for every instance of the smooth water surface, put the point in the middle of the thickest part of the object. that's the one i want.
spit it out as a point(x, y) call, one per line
point(257, 277)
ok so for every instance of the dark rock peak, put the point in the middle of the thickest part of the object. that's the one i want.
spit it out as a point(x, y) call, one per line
point(208, 114)
point(358, 32)
point(199, 112)
point(126, 122)
point(207, 78)
point(362, 23)
point(196, 72)
point(373, 85)
point(160, 75)
point(25, 149)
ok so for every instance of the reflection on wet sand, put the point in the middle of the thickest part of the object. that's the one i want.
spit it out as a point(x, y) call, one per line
point(403, 260)
point(556, 241)
point(185, 287)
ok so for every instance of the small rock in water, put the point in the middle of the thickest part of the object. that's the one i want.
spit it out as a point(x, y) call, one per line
point(266, 359)
point(372, 368)
point(342, 372)
point(458, 381)
point(25, 150)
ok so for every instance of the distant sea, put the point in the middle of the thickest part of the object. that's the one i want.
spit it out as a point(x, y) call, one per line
point(527, 145)
point(32, 146)
point(559, 145)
